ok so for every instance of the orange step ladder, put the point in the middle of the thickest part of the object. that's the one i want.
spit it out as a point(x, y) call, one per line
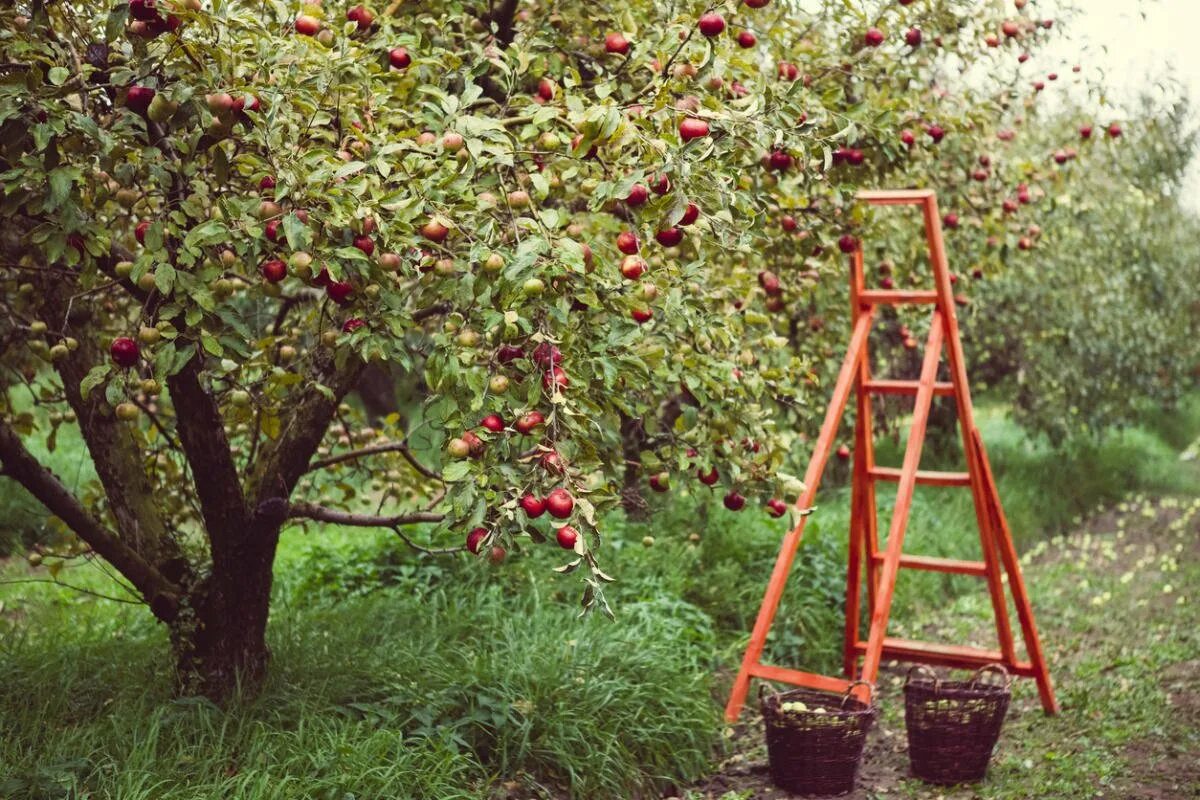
point(882, 566)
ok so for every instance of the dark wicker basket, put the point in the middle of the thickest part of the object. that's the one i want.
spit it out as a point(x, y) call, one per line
point(953, 725)
point(816, 752)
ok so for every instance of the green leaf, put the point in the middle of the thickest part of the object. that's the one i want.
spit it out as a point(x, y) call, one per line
point(117, 18)
point(211, 345)
point(96, 376)
point(58, 76)
point(61, 181)
point(164, 277)
point(456, 471)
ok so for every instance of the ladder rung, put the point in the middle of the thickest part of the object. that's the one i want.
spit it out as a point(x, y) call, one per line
point(935, 564)
point(896, 297)
point(797, 677)
point(894, 197)
point(926, 477)
point(947, 655)
point(941, 388)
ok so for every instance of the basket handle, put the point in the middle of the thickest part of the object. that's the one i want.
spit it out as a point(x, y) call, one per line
point(850, 691)
point(921, 668)
point(986, 668)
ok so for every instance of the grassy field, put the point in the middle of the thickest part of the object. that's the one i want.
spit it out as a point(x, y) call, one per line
point(397, 675)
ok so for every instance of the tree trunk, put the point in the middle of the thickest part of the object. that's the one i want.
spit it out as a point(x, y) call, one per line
point(220, 644)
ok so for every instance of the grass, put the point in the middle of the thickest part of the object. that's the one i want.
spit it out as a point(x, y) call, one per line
point(401, 676)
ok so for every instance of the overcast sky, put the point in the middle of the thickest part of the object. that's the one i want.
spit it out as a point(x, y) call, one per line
point(1133, 43)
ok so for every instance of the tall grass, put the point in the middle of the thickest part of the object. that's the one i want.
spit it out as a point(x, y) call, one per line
point(402, 676)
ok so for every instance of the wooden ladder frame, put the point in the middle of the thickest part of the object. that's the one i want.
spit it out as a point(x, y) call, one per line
point(882, 566)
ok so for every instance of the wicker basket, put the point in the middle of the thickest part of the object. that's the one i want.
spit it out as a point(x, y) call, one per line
point(953, 725)
point(816, 749)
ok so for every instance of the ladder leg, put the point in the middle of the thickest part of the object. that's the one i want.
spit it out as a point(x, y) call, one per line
point(855, 554)
point(1016, 582)
point(787, 551)
point(904, 494)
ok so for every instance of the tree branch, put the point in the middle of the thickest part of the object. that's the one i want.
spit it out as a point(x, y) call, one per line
point(392, 447)
point(21, 466)
point(351, 519)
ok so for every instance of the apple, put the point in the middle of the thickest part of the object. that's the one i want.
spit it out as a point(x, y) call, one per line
point(124, 352)
point(769, 282)
point(1010, 28)
point(788, 71)
point(913, 38)
point(708, 478)
point(127, 412)
point(526, 423)
point(519, 199)
point(690, 214)
point(271, 229)
point(907, 137)
point(497, 554)
point(847, 244)
point(756, 3)
point(545, 89)
point(452, 141)
point(935, 132)
point(399, 58)
point(669, 237)
point(734, 501)
point(950, 220)
point(780, 160)
point(560, 503)
point(616, 43)
point(498, 384)
point(641, 315)
point(144, 10)
point(980, 175)
point(365, 244)
point(1009, 206)
point(362, 16)
point(577, 141)
point(307, 25)
point(887, 284)
point(873, 37)
point(1114, 130)
point(274, 270)
point(747, 39)
point(843, 452)
point(458, 448)
point(660, 183)
point(776, 507)
point(711, 24)
point(534, 507)
point(546, 355)
point(638, 194)
point(632, 267)
point(533, 287)
point(553, 463)
point(508, 353)
point(139, 231)
point(475, 445)
point(660, 482)
point(138, 98)
point(339, 291)
point(627, 242)
point(692, 128)
point(435, 231)
point(493, 423)
point(555, 378)
point(475, 539)
point(567, 537)
point(1085, 131)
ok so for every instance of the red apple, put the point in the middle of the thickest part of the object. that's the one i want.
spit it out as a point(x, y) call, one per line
point(497, 554)
point(950, 220)
point(273, 270)
point(435, 231)
point(843, 453)
point(1114, 130)
point(776, 507)
point(627, 242)
point(138, 98)
point(362, 16)
point(692, 128)
point(935, 132)
point(365, 244)
point(708, 478)
point(734, 501)
point(747, 39)
point(913, 38)
point(660, 482)
point(638, 194)
point(567, 537)
point(475, 539)
point(669, 237)
point(712, 24)
point(475, 445)
point(907, 137)
point(546, 355)
point(526, 423)
point(399, 58)
point(780, 160)
point(756, 3)
point(554, 378)
point(493, 423)
point(1010, 28)
point(616, 43)
point(847, 244)
point(632, 267)
point(124, 352)
point(560, 503)
point(1085, 131)
point(339, 291)
point(873, 37)
point(660, 183)
point(641, 315)
point(545, 89)
point(353, 324)
point(508, 353)
point(534, 507)
point(307, 26)
point(690, 214)
point(553, 463)
point(139, 231)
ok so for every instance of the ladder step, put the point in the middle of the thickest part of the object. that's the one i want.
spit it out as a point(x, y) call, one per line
point(896, 297)
point(797, 677)
point(935, 564)
point(946, 655)
point(941, 388)
point(895, 197)
point(926, 477)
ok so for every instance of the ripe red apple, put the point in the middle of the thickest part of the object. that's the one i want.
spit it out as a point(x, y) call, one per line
point(747, 39)
point(690, 214)
point(627, 242)
point(339, 291)
point(533, 506)
point(692, 128)
point(546, 355)
point(475, 539)
point(769, 282)
point(435, 231)
point(780, 160)
point(660, 482)
point(365, 244)
point(138, 98)
point(219, 102)
point(1010, 28)
point(1085, 131)
point(712, 24)
point(980, 174)
point(1114, 130)
point(273, 270)
point(271, 229)
point(756, 3)
point(950, 220)
point(124, 352)
point(638, 194)
point(1009, 206)
point(553, 463)
point(935, 132)
point(353, 324)
point(788, 223)
point(139, 231)
point(660, 183)
point(526, 423)
point(873, 37)
point(560, 503)
point(493, 423)
point(567, 537)
point(616, 43)
point(545, 89)
point(887, 283)
point(907, 137)
point(632, 267)
point(776, 507)
point(669, 237)
point(734, 501)
point(641, 315)
point(475, 445)
point(843, 453)
point(144, 10)
point(399, 58)
point(508, 353)
point(307, 26)
point(847, 244)
point(362, 16)
point(708, 478)
point(913, 38)
point(497, 554)
point(554, 378)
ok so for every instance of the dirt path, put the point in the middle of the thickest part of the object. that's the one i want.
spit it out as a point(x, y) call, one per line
point(1119, 607)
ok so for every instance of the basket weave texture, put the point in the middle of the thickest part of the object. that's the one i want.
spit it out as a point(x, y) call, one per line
point(953, 726)
point(816, 752)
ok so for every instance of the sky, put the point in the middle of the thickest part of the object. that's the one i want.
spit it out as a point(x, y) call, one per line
point(1133, 43)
